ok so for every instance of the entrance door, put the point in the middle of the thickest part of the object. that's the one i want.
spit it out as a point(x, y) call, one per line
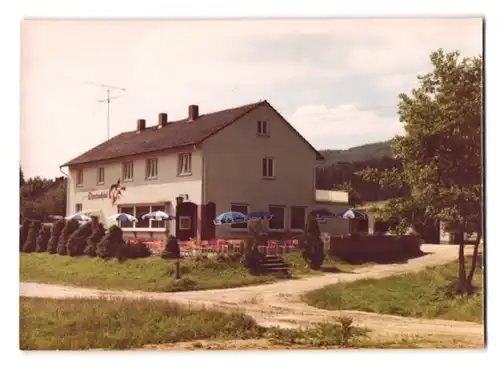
point(186, 221)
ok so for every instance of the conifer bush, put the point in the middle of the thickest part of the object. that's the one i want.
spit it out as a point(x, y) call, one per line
point(78, 240)
point(311, 244)
point(69, 229)
point(57, 229)
point(42, 241)
point(98, 233)
point(30, 243)
point(172, 249)
point(24, 229)
point(112, 244)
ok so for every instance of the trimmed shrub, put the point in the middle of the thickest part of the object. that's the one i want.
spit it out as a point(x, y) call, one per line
point(112, 244)
point(69, 229)
point(78, 240)
point(30, 243)
point(24, 229)
point(42, 241)
point(375, 248)
point(311, 244)
point(57, 229)
point(172, 249)
point(98, 233)
point(136, 250)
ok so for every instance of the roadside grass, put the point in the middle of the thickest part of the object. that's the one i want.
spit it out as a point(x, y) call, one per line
point(299, 267)
point(154, 273)
point(117, 324)
point(425, 294)
point(71, 324)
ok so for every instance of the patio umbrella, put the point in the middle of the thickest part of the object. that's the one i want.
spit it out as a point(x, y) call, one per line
point(230, 218)
point(158, 216)
point(122, 217)
point(321, 213)
point(260, 215)
point(56, 217)
point(350, 214)
point(79, 217)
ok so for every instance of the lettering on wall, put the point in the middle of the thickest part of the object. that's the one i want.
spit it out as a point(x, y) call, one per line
point(114, 193)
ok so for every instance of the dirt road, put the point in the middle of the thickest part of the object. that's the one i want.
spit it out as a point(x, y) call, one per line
point(280, 303)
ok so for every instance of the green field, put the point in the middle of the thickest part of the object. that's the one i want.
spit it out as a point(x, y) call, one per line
point(427, 294)
point(153, 273)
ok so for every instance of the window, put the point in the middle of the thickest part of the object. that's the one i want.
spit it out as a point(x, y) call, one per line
point(243, 209)
point(184, 164)
point(184, 223)
point(262, 128)
point(158, 224)
point(128, 171)
point(152, 168)
point(130, 211)
point(297, 218)
point(139, 212)
point(78, 207)
point(100, 176)
point(278, 220)
point(268, 167)
point(79, 178)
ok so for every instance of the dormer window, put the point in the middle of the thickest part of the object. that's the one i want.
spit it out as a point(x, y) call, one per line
point(262, 128)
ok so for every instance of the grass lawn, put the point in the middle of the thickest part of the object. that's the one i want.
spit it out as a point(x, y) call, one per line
point(151, 274)
point(426, 294)
point(117, 324)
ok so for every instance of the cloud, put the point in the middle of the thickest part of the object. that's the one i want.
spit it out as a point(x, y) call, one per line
point(342, 126)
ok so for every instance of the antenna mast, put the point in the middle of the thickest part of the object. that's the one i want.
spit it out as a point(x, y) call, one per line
point(107, 100)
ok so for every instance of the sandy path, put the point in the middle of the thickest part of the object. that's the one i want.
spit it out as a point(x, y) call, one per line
point(280, 303)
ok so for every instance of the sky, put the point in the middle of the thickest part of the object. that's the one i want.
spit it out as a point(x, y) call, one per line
point(335, 80)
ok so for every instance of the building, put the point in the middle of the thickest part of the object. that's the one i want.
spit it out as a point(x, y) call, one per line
point(244, 159)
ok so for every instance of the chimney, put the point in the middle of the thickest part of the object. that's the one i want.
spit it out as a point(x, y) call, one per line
point(141, 125)
point(193, 112)
point(162, 120)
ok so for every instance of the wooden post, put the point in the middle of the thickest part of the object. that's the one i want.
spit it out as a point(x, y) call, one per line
point(177, 269)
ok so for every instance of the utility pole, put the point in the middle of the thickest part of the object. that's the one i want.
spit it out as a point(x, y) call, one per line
point(107, 100)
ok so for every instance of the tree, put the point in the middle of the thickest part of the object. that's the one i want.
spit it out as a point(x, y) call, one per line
point(24, 229)
point(42, 240)
point(21, 177)
point(77, 242)
point(57, 229)
point(30, 243)
point(311, 244)
point(69, 229)
point(441, 154)
point(354, 197)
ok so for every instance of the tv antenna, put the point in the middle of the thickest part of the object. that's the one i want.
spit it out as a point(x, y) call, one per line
point(107, 100)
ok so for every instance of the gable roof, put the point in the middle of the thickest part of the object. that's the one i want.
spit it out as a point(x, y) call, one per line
point(176, 134)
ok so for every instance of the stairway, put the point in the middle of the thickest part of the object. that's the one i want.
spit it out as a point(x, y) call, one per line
point(274, 264)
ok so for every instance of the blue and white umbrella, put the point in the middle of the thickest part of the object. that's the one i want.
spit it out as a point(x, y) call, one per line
point(321, 213)
point(159, 216)
point(79, 217)
point(122, 217)
point(260, 215)
point(351, 214)
point(230, 218)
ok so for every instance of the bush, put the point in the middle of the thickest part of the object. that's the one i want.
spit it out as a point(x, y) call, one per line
point(137, 250)
point(24, 229)
point(78, 240)
point(42, 241)
point(311, 244)
point(112, 244)
point(98, 233)
point(172, 249)
point(69, 229)
point(54, 237)
point(30, 243)
point(375, 248)
point(252, 258)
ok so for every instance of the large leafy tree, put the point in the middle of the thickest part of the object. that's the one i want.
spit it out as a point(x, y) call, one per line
point(441, 154)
